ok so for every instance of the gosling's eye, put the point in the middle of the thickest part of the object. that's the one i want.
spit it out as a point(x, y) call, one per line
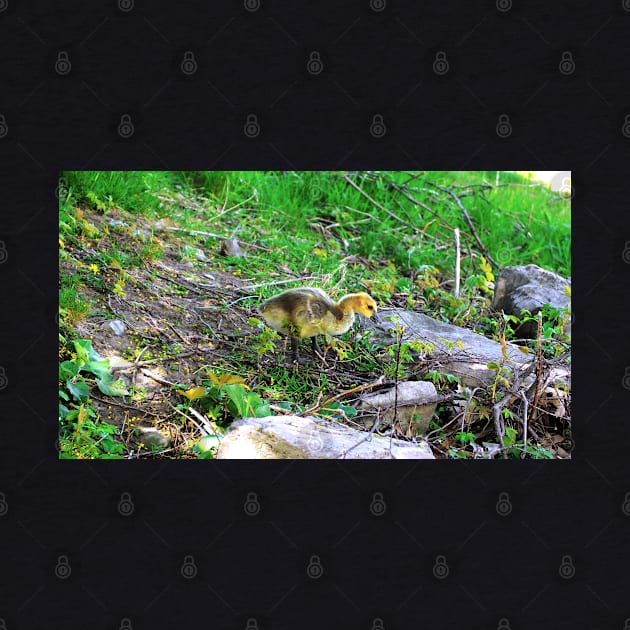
point(370, 307)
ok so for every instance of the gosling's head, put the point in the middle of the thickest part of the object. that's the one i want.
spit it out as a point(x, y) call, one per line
point(361, 303)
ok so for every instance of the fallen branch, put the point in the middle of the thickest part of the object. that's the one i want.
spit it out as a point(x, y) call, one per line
point(539, 366)
point(525, 409)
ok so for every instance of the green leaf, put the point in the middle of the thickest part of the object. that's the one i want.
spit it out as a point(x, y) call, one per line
point(112, 388)
point(79, 390)
point(262, 411)
point(99, 368)
point(85, 350)
point(68, 369)
point(236, 393)
point(510, 436)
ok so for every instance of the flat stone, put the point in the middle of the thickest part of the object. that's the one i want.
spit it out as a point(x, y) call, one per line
point(294, 437)
point(415, 403)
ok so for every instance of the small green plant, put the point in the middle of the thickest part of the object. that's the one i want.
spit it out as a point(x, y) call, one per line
point(465, 437)
point(264, 339)
point(441, 379)
point(85, 361)
point(538, 452)
point(456, 453)
point(83, 436)
point(81, 433)
point(226, 397)
point(73, 307)
point(484, 279)
point(501, 377)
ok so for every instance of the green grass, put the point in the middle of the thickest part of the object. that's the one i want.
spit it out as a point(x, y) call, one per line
point(516, 223)
point(312, 220)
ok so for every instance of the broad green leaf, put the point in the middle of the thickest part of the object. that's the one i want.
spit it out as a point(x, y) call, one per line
point(86, 351)
point(112, 388)
point(236, 394)
point(262, 411)
point(79, 390)
point(98, 368)
point(68, 369)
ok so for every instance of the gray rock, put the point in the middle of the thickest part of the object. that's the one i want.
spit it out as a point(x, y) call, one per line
point(151, 437)
point(294, 437)
point(116, 325)
point(231, 247)
point(416, 403)
point(460, 351)
point(529, 288)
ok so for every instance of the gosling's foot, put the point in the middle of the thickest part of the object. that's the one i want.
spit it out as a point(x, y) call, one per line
point(295, 361)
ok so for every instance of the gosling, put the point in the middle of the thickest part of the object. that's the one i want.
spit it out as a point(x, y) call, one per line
point(308, 312)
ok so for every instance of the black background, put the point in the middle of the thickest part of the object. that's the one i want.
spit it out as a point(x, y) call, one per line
point(125, 570)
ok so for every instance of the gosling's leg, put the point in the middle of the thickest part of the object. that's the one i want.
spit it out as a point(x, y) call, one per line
point(294, 349)
point(316, 349)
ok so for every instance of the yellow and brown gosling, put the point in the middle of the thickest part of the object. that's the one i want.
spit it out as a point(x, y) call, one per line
point(308, 312)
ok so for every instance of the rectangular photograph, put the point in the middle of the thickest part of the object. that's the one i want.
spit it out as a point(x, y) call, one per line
point(315, 315)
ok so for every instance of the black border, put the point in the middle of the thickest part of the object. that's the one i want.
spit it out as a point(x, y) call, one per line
point(501, 62)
